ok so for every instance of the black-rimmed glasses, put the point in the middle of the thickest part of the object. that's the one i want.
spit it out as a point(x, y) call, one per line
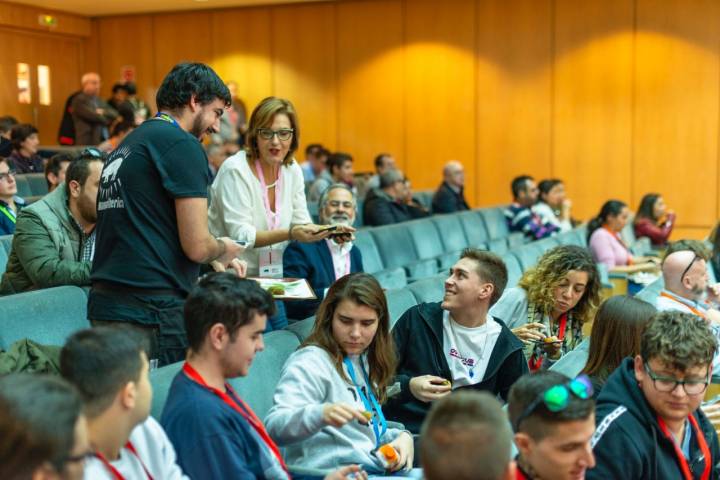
point(7, 175)
point(669, 384)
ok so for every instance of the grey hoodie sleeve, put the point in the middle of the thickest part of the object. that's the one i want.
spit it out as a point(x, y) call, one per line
point(297, 409)
point(511, 308)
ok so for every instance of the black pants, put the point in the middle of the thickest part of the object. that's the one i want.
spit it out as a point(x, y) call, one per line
point(160, 317)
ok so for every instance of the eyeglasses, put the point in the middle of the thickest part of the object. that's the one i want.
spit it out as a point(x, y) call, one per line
point(7, 175)
point(669, 384)
point(687, 269)
point(284, 134)
point(557, 397)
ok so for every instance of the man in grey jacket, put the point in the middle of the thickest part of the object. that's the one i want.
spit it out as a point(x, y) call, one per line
point(54, 238)
point(91, 115)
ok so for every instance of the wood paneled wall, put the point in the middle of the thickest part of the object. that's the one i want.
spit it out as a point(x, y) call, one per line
point(617, 97)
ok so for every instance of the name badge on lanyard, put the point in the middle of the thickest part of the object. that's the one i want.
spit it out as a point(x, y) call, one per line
point(270, 262)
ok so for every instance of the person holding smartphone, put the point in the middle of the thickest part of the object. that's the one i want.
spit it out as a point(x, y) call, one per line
point(258, 195)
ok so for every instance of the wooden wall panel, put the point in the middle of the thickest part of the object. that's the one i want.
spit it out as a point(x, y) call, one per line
point(676, 114)
point(128, 41)
point(440, 85)
point(26, 17)
point(370, 95)
point(592, 95)
point(241, 51)
point(304, 69)
point(513, 94)
point(180, 37)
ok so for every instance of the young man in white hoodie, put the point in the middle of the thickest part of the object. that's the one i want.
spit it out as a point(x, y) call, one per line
point(109, 367)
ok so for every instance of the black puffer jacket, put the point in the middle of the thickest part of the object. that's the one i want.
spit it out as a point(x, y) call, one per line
point(628, 442)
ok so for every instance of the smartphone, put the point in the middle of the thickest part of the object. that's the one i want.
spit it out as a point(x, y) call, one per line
point(329, 228)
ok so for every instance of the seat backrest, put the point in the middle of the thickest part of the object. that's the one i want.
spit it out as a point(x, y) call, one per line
point(474, 228)
point(258, 387)
point(370, 255)
point(528, 255)
point(314, 212)
point(3, 260)
point(430, 289)
point(495, 222)
point(395, 245)
point(23, 186)
point(161, 379)
point(498, 246)
point(451, 232)
point(46, 316)
point(425, 197)
point(514, 268)
point(425, 238)
point(391, 278)
point(650, 293)
point(37, 182)
point(398, 302)
point(303, 328)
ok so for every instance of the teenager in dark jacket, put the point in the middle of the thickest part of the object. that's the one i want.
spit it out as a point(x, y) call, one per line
point(648, 424)
point(454, 344)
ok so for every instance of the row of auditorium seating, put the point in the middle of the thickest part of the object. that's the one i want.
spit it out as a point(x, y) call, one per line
point(5, 244)
point(31, 186)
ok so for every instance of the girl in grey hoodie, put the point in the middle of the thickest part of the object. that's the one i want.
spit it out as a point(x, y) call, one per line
point(326, 408)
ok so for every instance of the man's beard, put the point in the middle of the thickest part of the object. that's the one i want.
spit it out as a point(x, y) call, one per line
point(699, 294)
point(340, 219)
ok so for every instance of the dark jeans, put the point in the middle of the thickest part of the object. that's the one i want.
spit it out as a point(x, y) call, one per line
point(160, 317)
point(279, 320)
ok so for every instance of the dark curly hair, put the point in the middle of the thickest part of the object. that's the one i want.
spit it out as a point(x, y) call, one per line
point(680, 340)
point(540, 280)
point(186, 80)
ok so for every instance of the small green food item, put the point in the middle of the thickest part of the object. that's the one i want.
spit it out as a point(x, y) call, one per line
point(276, 290)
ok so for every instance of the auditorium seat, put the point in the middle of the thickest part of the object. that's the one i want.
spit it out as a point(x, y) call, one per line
point(23, 186)
point(398, 302)
point(258, 387)
point(427, 242)
point(303, 328)
point(372, 263)
point(651, 292)
point(6, 243)
point(498, 246)
point(424, 197)
point(514, 269)
point(396, 250)
point(37, 182)
point(451, 233)
point(313, 210)
point(430, 289)
point(46, 316)
point(3, 260)
point(474, 228)
point(573, 362)
point(495, 222)
point(161, 379)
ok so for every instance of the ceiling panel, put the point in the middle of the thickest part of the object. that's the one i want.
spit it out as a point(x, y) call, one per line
point(93, 8)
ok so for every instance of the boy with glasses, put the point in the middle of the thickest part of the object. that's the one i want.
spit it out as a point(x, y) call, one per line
point(553, 418)
point(648, 422)
point(10, 203)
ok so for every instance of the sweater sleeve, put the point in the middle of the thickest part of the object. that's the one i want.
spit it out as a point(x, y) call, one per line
point(232, 202)
point(658, 234)
point(511, 308)
point(297, 411)
point(602, 250)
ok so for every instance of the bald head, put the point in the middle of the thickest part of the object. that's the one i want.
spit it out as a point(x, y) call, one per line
point(454, 173)
point(90, 84)
point(685, 274)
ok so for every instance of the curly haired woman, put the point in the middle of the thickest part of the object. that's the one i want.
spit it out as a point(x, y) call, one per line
point(551, 303)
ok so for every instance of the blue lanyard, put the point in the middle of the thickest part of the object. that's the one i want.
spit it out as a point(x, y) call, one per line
point(167, 118)
point(371, 405)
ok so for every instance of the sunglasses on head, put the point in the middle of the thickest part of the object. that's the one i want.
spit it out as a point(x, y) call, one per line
point(557, 398)
point(91, 152)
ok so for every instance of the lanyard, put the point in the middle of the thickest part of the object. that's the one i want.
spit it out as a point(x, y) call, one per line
point(535, 361)
point(702, 443)
point(273, 219)
point(347, 260)
point(8, 213)
point(692, 309)
point(239, 406)
point(370, 405)
point(114, 471)
point(167, 117)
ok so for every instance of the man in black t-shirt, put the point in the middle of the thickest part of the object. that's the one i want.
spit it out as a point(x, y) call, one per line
point(152, 232)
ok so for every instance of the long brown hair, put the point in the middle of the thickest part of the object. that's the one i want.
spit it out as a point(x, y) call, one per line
point(616, 333)
point(362, 289)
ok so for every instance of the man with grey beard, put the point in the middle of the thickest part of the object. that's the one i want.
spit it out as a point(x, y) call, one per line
point(323, 262)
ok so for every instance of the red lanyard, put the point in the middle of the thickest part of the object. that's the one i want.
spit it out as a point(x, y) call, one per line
point(704, 450)
point(273, 219)
point(243, 410)
point(114, 471)
point(693, 310)
point(535, 361)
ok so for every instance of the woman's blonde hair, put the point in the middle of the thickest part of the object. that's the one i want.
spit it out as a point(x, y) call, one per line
point(540, 281)
point(263, 116)
point(362, 289)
